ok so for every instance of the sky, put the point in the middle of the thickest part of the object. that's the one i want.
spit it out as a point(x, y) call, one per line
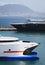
point(35, 5)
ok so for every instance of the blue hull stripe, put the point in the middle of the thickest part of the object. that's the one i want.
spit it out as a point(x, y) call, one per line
point(18, 57)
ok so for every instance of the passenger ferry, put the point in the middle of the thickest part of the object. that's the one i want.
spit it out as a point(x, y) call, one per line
point(11, 47)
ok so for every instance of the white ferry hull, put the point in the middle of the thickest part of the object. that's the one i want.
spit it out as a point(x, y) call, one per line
point(16, 49)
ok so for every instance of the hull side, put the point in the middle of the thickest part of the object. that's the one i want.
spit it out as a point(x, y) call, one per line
point(15, 48)
point(20, 58)
point(30, 27)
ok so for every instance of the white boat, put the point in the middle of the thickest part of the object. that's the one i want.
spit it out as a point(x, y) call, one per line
point(13, 47)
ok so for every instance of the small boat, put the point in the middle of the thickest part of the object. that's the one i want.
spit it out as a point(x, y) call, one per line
point(11, 47)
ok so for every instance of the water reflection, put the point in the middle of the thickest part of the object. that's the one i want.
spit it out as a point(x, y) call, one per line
point(20, 62)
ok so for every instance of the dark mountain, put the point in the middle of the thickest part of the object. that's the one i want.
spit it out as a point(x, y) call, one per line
point(19, 10)
point(14, 10)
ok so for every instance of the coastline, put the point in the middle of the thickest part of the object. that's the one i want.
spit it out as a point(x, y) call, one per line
point(7, 28)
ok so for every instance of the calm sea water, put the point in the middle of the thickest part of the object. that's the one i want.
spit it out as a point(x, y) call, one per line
point(32, 36)
point(6, 21)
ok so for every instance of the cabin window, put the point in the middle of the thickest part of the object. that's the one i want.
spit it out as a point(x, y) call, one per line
point(26, 41)
point(9, 41)
point(9, 49)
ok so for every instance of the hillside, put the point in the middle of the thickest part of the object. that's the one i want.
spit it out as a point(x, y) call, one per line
point(19, 10)
point(14, 10)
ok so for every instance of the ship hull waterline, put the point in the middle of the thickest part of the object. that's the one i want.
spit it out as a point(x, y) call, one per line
point(29, 27)
point(19, 58)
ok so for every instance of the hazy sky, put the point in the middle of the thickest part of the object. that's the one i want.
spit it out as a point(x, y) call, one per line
point(36, 5)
